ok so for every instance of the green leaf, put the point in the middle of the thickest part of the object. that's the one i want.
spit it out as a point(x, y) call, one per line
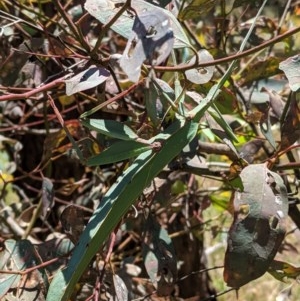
point(116, 203)
point(220, 200)
point(110, 128)
point(7, 282)
point(237, 183)
point(206, 102)
point(218, 117)
point(178, 187)
point(153, 104)
point(118, 151)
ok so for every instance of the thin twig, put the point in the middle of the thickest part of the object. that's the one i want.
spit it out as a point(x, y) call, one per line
point(230, 58)
point(29, 270)
point(218, 294)
point(108, 25)
point(111, 100)
point(72, 26)
point(60, 119)
point(29, 94)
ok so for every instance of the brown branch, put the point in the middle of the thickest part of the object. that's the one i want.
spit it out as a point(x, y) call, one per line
point(216, 148)
point(32, 92)
point(28, 270)
point(71, 25)
point(230, 58)
point(111, 100)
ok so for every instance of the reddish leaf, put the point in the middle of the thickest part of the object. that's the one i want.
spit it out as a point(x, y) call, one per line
point(54, 142)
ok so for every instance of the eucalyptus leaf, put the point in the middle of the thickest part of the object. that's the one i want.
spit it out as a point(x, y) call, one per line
point(204, 74)
point(87, 79)
point(151, 39)
point(265, 127)
point(220, 126)
point(121, 290)
point(115, 204)
point(104, 11)
point(291, 68)
point(276, 102)
point(153, 104)
point(259, 225)
point(258, 70)
point(110, 128)
point(11, 67)
point(7, 282)
point(72, 221)
point(250, 149)
point(117, 152)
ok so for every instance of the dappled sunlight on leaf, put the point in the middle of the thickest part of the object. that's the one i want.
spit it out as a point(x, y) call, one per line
point(152, 39)
point(87, 79)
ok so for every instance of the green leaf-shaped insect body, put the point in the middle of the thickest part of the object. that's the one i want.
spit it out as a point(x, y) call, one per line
point(258, 228)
